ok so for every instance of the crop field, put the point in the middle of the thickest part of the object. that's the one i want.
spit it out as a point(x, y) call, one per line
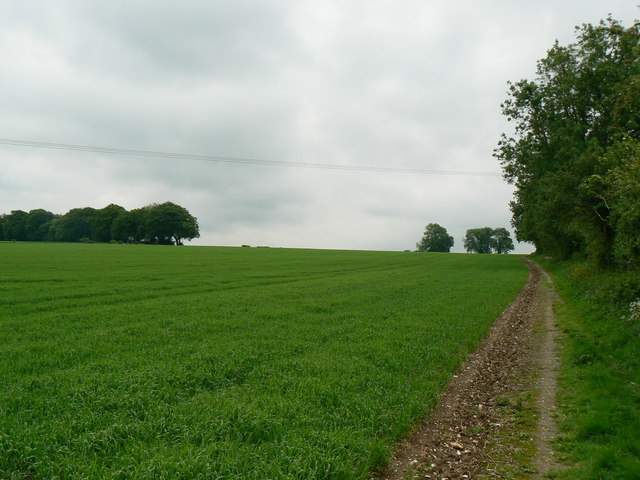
point(130, 361)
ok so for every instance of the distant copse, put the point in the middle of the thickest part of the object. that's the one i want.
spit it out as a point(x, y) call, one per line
point(488, 240)
point(165, 224)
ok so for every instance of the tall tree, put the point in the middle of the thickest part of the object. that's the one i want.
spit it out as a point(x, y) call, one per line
point(37, 225)
point(129, 226)
point(435, 239)
point(76, 224)
point(618, 192)
point(15, 225)
point(168, 223)
point(583, 101)
point(488, 240)
point(103, 221)
point(501, 241)
point(478, 240)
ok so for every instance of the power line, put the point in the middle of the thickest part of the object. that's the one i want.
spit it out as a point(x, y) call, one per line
point(236, 160)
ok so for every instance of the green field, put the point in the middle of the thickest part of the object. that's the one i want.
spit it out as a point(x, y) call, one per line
point(130, 361)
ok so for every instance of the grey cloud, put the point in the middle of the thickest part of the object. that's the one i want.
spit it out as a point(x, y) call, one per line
point(169, 41)
point(408, 84)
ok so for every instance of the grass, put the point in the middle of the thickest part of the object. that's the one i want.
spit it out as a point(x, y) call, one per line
point(127, 361)
point(600, 378)
point(512, 449)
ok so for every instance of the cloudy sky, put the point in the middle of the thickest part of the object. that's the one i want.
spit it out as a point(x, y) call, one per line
point(404, 84)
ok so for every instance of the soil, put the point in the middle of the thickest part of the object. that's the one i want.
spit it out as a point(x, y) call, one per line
point(463, 437)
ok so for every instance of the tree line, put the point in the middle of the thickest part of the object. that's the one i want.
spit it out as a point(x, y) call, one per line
point(574, 155)
point(165, 224)
point(476, 240)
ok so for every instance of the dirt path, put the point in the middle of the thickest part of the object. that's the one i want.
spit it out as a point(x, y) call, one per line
point(470, 433)
point(548, 363)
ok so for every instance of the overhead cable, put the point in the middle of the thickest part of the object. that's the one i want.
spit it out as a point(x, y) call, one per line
point(237, 160)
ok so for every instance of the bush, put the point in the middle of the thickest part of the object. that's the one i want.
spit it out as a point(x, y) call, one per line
point(621, 287)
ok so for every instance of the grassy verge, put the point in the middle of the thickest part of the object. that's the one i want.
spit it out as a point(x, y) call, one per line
point(512, 450)
point(600, 379)
point(129, 361)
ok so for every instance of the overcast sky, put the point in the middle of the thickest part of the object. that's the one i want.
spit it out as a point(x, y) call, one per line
point(385, 83)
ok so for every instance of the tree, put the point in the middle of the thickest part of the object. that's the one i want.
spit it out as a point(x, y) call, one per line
point(501, 241)
point(166, 223)
point(76, 224)
point(618, 191)
point(15, 225)
point(169, 223)
point(37, 225)
point(104, 219)
point(129, 226)
point(435, 239)
point(568, 121)
point(488, 240)
point(478, 240)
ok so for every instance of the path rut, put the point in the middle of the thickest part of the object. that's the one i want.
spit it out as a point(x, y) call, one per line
point(548, 363)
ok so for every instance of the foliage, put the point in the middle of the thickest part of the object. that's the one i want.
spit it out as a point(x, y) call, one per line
point(599, 402)
point(166, 223)
point(435, 239)
point(569, 125)
point(14, 226)
point(488, 240)
point(129, 226)
point(478, 240)
point(76, 224)
point(23, 226)
point(38, 224)
point(244, 363)
point(169, 223)
point(621, 196)
point(501, 241)
point(104, 219)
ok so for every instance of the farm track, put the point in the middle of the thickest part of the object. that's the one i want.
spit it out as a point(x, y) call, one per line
point(467, 434)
